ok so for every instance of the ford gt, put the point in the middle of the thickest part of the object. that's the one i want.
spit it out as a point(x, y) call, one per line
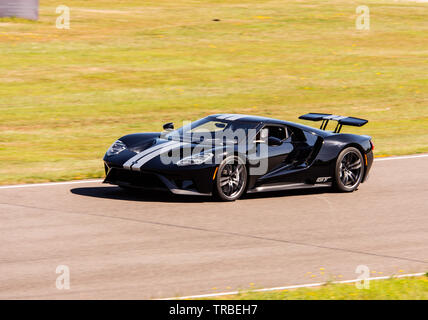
point(228, 155)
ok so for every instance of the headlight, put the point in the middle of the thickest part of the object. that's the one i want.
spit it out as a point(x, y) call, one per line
point(116, 148)
point(195, 159)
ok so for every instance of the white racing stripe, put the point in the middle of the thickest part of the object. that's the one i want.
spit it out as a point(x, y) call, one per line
point(128, 164)
point(333, 117)
point(166, 148)
point(236, 117)
point(48, 184)
point(231, 117)
point(210, 295)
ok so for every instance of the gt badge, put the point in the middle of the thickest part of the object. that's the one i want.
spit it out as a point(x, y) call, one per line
point(322, 179)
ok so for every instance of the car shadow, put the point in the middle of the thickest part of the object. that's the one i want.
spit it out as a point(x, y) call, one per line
point(116, 193)
point(287, 193)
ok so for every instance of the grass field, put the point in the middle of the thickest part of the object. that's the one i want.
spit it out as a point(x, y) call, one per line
point(130, 66)
point(390, 289)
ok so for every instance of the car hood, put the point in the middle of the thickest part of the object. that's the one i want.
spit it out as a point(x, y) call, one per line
point(151, 152)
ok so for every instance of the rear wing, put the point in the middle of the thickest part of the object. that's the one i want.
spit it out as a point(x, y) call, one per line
point(326, 117)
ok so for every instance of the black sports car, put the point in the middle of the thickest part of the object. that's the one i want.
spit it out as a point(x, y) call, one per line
point(227, 155)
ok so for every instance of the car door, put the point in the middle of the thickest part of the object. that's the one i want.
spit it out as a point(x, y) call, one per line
point(278, 143)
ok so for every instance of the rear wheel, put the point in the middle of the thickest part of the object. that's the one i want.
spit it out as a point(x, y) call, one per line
point(231, 179)
point(349, 170)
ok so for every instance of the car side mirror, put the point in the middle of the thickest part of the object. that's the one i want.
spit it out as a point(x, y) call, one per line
point(273, 141)
point(168, 126)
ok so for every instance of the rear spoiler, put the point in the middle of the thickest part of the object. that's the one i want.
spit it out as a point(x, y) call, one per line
point(326, 117)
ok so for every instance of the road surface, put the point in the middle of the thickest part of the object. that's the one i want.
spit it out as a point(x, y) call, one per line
point(131, 246)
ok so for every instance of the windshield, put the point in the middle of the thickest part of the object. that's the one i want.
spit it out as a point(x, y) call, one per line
point(211, 129)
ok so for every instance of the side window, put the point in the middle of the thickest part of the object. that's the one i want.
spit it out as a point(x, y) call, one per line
point(297, 135)
point(279, 132)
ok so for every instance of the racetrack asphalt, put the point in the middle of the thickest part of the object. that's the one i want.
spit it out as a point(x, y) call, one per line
point(123, 245)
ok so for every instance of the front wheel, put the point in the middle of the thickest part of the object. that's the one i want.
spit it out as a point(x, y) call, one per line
point(231, 179)
point(349, 170)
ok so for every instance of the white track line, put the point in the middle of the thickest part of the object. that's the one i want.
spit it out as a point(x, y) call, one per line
point(209, 295)
point(100, 180)
point(49, 184)
point(402, 157)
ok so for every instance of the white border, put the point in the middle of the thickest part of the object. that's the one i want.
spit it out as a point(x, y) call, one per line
point(318, 284)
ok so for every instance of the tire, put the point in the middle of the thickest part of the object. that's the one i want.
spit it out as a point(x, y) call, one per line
point(349, 170)
point(231, 179)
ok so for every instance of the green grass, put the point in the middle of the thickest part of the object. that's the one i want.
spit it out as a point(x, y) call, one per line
point(391, 289)
point(130, 66)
